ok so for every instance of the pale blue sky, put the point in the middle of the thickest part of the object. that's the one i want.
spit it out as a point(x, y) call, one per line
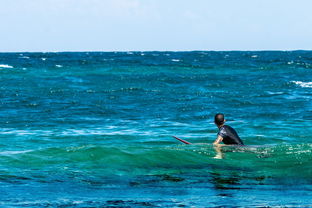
point(125, 25)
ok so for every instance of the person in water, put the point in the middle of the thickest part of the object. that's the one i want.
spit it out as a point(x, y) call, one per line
point(226, 134)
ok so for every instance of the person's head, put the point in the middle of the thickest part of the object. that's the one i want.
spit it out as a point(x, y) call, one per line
point(219, 119)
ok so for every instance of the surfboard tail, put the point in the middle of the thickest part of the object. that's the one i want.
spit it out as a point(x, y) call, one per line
point(181, 140)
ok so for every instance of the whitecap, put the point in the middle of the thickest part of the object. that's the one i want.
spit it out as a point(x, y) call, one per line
point(58, 66)
point(6, 66)
point(25, 57)
point(303, 84)
point(274, 93)
point(254, 56)
point(43, 59)
point(175, 60)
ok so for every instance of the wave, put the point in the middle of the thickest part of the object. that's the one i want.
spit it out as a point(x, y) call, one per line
point(276, 160)
point(303, 84)
point(6, 66)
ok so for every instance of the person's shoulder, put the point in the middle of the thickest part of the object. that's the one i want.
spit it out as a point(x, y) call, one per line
point(222, 129)
point(229, 128)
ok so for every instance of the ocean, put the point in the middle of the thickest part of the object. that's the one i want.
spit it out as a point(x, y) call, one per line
point(94, 129)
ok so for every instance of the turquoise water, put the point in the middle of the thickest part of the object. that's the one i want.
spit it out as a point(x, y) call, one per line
point(94, 129)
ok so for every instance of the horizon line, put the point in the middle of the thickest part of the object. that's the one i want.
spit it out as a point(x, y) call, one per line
point(147, 51)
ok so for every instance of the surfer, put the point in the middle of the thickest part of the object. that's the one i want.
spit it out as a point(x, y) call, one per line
point(226, 134)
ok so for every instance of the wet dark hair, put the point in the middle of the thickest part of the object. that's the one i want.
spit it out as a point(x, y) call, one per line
point(219, 119)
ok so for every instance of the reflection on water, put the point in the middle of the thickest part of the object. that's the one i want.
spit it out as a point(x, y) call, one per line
point(221, 181)
point(218, 149)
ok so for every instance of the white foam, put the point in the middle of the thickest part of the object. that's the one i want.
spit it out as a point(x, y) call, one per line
point(274, 93)
point(6, 66)
point(303, 84)
point(108, 130)
point(175, 60)
point(58, 66)
point(14, 152)
point(254, 56)
point(7, 131)
point(25, 57)
point(43, 59)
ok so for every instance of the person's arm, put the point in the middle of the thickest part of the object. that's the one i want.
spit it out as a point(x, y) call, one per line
point(218, 140)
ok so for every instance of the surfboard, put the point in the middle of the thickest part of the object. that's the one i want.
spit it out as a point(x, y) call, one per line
point(181, 140)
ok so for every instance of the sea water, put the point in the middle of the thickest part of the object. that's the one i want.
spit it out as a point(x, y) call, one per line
point(95, 129)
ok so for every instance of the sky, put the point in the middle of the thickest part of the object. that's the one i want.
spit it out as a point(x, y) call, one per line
point(154, 25)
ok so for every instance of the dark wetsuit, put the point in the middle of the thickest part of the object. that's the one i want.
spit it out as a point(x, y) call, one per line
point(229, 135)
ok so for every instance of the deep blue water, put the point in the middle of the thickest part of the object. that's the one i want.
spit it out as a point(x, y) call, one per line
point(94, 129)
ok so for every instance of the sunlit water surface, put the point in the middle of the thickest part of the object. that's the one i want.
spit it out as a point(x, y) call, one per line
point(94, 129)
